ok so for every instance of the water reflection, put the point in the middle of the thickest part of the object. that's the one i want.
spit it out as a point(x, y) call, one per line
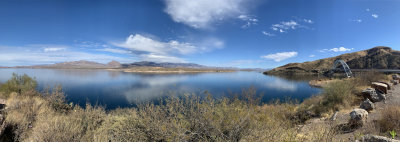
point(118, 89)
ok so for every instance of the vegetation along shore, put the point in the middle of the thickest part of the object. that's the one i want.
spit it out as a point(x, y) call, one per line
point(31, 115)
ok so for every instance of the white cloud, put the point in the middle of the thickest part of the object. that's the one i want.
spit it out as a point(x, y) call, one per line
point(308, 21)
point(340, 49)
point(375, 15)
point(114, 50)
point(367, 9)
point(203, 13)
point(250, 20)
point(267, 33)
point(277, 57)
point(146, 44)
point(150, 49)
point(286, 26)
point(164, 58)
point(53, 49)
point(311, 56)
point(29, 55)
point(357, 20)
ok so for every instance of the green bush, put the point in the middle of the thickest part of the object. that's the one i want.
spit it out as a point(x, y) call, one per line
point(20, 84)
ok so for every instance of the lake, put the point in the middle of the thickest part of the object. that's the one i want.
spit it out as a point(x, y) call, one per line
point(115, 89)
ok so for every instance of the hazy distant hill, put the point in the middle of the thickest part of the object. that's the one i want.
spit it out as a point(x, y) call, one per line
point(375, 58)
point(164, 65)
point(82, 64)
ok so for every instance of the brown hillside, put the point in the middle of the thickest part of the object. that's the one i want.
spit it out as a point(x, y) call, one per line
point(375, 58)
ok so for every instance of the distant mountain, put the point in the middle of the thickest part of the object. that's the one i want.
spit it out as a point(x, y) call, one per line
point(82, 64)
point(375, 58)
point(164, 65)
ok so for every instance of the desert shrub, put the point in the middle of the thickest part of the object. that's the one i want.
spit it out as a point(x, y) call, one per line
point(335, 96)
point(56, 99)
point(19, 84)
point(338, 94)
point(390, 119)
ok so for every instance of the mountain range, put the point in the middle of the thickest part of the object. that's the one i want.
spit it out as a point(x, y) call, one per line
point(82, 64)
point(380, 57)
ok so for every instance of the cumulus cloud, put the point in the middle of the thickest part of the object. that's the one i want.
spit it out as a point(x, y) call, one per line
point(151, 49)
point(375, 15)
point(311, 56)
point(277, 57)
point(203, 13)
point(138, 42)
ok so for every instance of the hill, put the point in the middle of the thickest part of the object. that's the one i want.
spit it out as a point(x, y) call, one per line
point(82, 64)
point(375, 58)
point(164, 65)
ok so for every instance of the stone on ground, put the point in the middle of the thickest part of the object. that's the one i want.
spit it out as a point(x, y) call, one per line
point(373, 95)
point(358, 117)
point(367, 105)
point(374, 138)
point(380, 86)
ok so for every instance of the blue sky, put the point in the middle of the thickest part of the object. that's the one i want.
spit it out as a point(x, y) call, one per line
point(237, 33)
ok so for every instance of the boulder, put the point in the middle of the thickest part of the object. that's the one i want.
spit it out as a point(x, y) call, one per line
point(358, 117)
point(389, 86)
point(374, 138)
point(373, 95)
point(380, 86)
point(367, 105)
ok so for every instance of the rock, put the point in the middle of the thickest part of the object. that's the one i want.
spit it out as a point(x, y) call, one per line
point(373, 95)
point(367, 105)
point(395, 77)
point(380, 86)
point(358, 117)
point(374, 138)
point(395, 82)
point(389, 86)
point(2, 103)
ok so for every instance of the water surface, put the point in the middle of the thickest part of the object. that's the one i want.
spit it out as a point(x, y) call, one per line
point(118, 89)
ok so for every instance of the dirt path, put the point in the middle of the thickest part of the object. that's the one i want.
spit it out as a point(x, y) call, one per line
point(392, 99)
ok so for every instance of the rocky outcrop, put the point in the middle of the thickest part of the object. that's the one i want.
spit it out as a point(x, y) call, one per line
point(374, 138)
point(367, 105)
point(358, 117)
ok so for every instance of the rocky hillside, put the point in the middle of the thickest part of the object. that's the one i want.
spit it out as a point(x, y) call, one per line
point(375, 58)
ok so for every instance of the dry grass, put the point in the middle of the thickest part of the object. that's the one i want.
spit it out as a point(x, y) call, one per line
point(390, 119)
